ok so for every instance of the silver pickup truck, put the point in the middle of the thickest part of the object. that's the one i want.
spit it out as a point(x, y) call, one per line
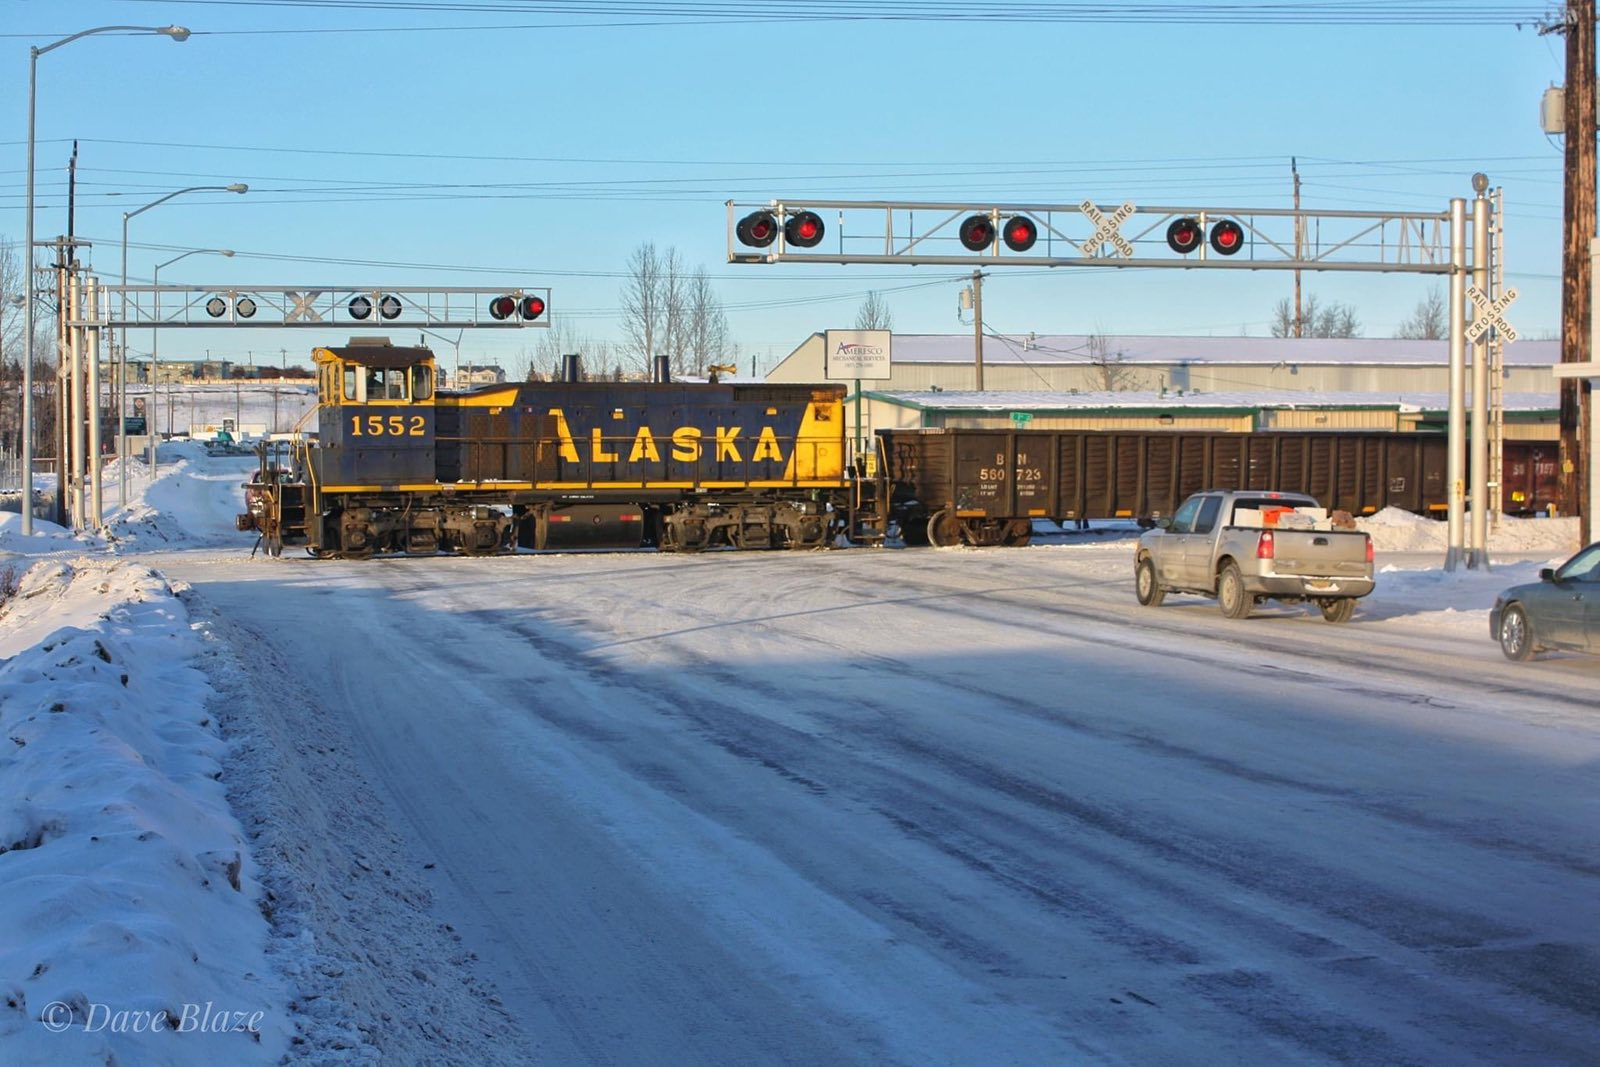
point(1242, 547)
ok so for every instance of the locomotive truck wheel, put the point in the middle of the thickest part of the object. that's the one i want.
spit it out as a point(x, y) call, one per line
point(1231, 597)
point(943, 530)
point(1145, 586)
point(1337, 610)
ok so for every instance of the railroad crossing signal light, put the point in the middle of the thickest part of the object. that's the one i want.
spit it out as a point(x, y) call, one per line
point(757, 229)
point(1184, 236)
point(1020, 233)
point(804, 229)
point(529, 307)
point(245, 307)
point(361, 306)
point(1227, 237)
point(977, 233)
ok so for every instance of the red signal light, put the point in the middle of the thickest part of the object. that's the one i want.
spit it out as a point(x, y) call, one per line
point(1183, 236)
point(757, 229)
point(1227, 237)
point(804, 229)
point(1020, 233)
point(977, 233)
point(502, 307)
point(531, 307)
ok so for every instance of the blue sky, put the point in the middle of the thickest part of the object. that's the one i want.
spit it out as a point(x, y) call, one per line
point(504, 145)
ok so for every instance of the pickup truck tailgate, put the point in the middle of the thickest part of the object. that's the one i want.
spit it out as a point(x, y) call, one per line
point(1319, 553)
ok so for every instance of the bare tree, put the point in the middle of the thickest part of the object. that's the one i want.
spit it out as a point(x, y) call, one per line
point(13, 326)
point(11, 316)
point(708, 325)
point(561, 338)
point(1111, 367)
point(674, 313)
point(1428, 322)
point(1333, 320)
point(642, 311)
point(874, 314)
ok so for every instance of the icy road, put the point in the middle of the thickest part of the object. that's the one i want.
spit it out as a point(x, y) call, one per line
point(967, 807)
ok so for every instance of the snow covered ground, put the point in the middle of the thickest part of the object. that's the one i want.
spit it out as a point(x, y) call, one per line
point(854, 807)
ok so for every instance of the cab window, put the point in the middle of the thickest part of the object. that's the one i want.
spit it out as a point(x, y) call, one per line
point(1206, 521)
point(385, 383)
point(350, 383)
point(421, 382)
point(1183, 518)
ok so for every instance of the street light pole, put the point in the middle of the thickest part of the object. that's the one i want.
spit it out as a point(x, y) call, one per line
point(122, 361)
point(177, 33)
point(155, 342)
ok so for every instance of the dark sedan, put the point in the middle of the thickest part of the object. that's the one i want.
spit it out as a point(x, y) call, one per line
point(1560, 610)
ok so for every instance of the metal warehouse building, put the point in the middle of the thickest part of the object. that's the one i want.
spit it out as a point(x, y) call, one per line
point(1233, 383)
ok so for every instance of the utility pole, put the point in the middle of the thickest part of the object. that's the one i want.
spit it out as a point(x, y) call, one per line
point(977, 327)
point(1299, 248)
point(1578, 218)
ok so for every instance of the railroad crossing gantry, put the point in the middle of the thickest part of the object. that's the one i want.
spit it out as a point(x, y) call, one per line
point(984, 234)
point(90, 308)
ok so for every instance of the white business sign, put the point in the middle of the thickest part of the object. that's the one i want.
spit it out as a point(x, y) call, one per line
point(856, 354)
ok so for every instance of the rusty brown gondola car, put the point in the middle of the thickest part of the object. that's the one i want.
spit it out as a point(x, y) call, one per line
point(985, 487)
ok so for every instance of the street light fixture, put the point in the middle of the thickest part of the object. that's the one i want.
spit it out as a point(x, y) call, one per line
point(177, 33)
point(122, 361)
point(155, 342)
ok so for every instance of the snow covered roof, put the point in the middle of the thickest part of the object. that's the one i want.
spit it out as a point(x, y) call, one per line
point(1075, 349)
point(1045, 401)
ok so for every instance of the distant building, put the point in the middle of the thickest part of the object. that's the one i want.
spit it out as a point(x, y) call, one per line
point(1111, 380)
point(473, 374)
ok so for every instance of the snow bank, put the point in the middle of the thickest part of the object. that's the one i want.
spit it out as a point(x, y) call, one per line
point(190, 504)
point(1393, 530)
point(131, 930)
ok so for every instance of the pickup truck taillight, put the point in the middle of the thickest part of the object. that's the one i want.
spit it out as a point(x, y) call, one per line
point(1369, 548)
point(1264, 545)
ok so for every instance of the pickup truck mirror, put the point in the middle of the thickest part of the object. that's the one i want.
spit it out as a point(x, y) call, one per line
point(1163, 524)
point(1547, 574)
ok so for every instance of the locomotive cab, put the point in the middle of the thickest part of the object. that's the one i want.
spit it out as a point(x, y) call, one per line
point(376, 420)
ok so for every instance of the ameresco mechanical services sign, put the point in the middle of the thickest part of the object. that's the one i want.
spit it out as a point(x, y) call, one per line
point(854, 354)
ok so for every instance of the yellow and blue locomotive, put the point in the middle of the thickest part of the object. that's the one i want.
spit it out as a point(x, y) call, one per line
point(398, 466)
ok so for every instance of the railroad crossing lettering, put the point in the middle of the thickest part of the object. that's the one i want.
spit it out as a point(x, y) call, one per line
point(1487, 315)
point(1106, 228)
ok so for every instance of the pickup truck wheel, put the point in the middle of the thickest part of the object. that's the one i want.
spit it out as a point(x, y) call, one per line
point(1516, 635)
point(1231, 597)
point(1337, 609)
point(1145, 586)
